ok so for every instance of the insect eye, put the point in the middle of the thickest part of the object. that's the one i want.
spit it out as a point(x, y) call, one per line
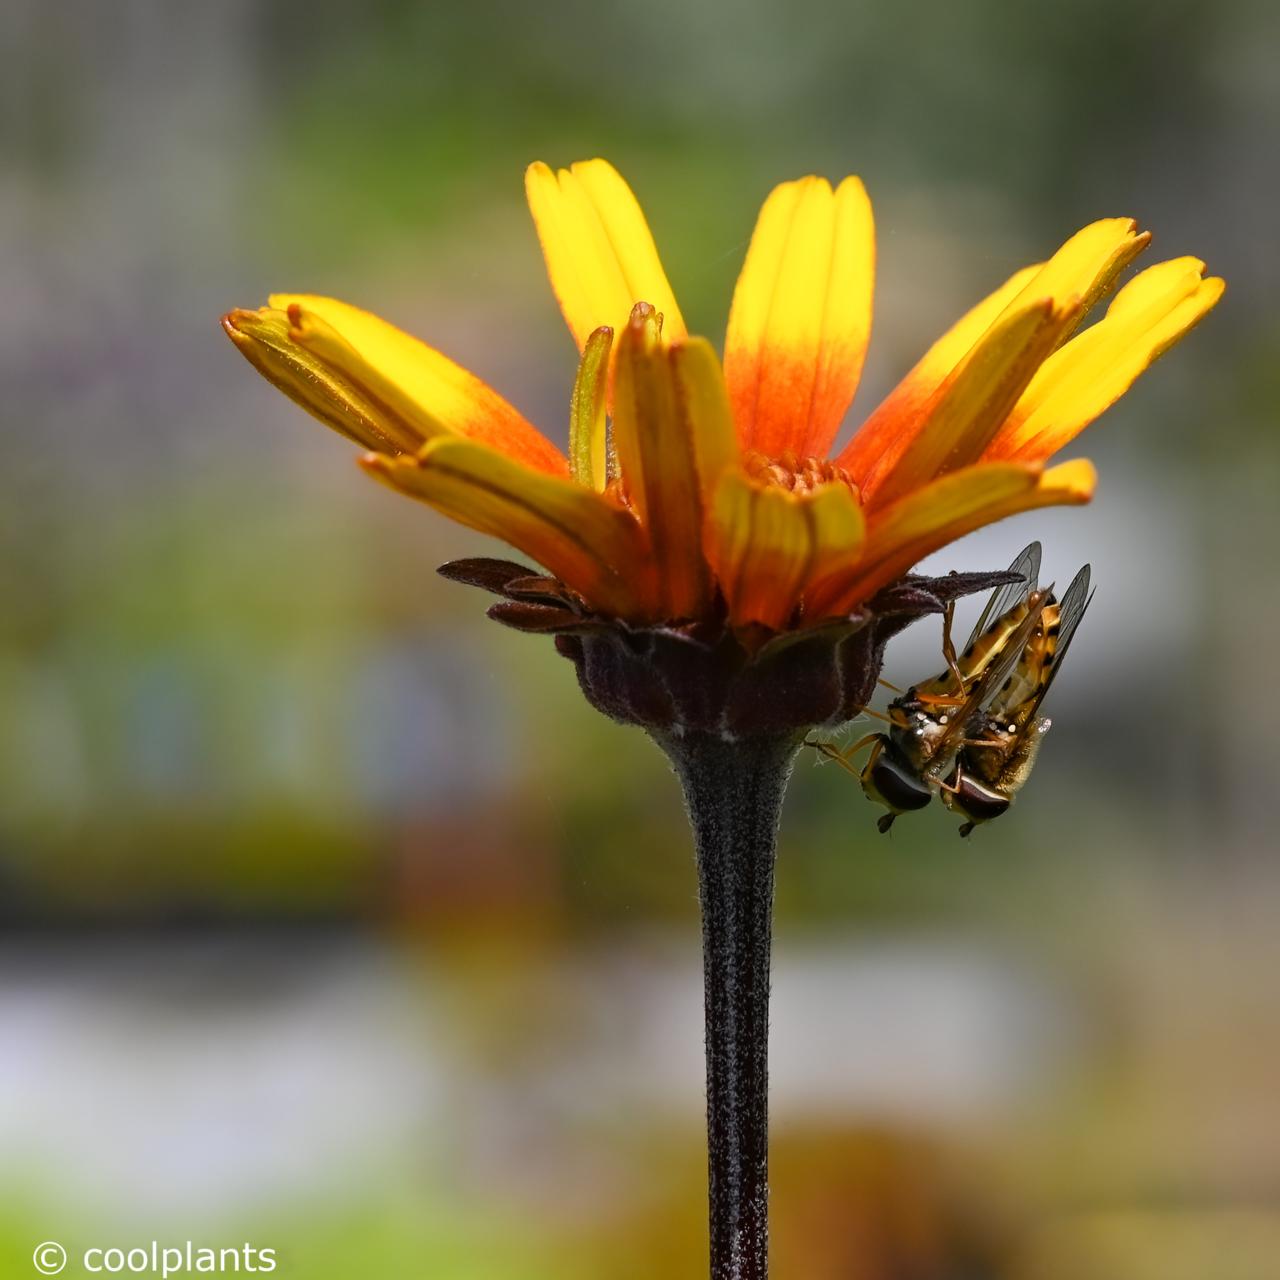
point(900, 788)
point(980, 803)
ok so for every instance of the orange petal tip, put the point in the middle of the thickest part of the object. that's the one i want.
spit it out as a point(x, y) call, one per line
point(233, 321)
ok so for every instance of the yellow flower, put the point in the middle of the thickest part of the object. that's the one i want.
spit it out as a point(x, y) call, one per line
point(693, 491)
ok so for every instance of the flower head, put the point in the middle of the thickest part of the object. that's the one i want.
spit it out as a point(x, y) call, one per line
point(702, 499)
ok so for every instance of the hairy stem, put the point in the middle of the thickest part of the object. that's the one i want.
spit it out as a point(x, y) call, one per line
point(733, 792)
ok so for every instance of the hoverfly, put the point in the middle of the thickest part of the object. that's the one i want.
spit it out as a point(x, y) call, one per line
point(929, 723)
point(993, 766)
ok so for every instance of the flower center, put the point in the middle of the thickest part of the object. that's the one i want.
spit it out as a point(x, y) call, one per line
point(800, 475)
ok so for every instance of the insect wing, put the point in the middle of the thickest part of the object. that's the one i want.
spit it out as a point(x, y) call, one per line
point(991, 679)
point(1074, 603)
point(989, 638)
point(1027, 564)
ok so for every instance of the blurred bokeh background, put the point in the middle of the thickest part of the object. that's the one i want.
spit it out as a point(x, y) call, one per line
point(333, 920)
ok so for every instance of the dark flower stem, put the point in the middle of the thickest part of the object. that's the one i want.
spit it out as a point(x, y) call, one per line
point(733, 791)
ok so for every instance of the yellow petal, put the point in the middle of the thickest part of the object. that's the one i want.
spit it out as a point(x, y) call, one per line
point(1067, 484)
point(928, 519)
point(585, 539)
point(1082, 271)
point(839, 540)
point(767, 543)
point(421, 386)
point(658, 464)
point(704, 410)
point(1087, 265)
point(759, 545)
point(968, 409)
point(599, 251)
point(588, 443)
point(801, 317)
point(889, 428)
point(1092, 371)
point(262, 337)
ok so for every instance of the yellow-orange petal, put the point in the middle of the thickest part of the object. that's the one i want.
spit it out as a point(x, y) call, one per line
point(422, 387)
point(889, 428)
point(1088, 264)
point(262, 337)
point(924, 521)
point(599, 252)
point(663, 439)
point(704, 409)
point(768, 543)
point(1083, 270)
point(759, 548)
point(839, 531)
point(588, 431)
point(801, 317)
point(970, 406)
point(1091, 372)
point(585, 539)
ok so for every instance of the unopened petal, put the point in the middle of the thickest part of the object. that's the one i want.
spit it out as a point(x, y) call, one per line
point(588, 443)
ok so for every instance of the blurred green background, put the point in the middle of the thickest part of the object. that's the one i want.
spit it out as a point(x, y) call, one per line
point(333, 919)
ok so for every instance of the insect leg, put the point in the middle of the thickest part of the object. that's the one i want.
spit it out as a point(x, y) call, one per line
point(879, 715)
point(844, 758)
point(949, 645)
point(877, 738)
point(941, 699)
